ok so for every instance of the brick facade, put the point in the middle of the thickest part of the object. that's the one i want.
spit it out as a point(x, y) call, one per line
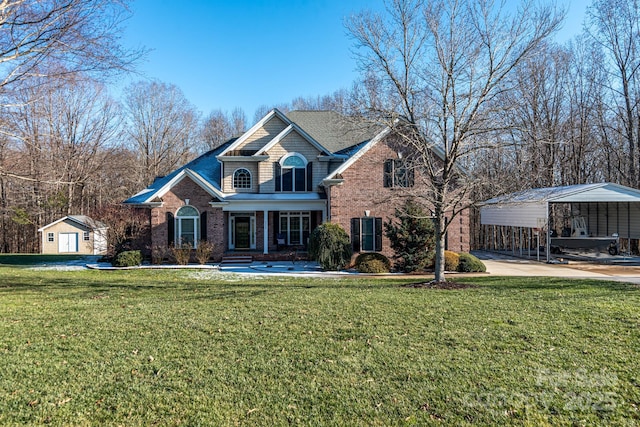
point(363, 191)
point(199, 199)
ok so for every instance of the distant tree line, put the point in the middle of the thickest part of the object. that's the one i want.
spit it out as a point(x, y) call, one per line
point(571, 113)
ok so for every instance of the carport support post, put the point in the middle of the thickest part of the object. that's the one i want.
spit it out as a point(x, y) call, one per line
point(548, 245)
point(520, 239)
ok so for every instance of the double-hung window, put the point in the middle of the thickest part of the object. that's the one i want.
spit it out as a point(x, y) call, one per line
point(366, 234)
point(398, 173)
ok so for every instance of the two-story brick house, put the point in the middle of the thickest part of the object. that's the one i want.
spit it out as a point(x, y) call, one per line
point(269, 188)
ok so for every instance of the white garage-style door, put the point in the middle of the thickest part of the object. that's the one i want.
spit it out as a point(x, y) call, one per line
point(68, 242)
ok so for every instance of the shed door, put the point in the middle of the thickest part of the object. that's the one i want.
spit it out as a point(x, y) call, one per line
point(68, 242)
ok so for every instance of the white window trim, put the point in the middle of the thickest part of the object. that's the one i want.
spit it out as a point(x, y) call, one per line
point(51, 237)
point(294, 214)
point(232, 227)
point(178, 226)
point(298, 155)
point(86, 236)
point(293, 177)
point(363, 221)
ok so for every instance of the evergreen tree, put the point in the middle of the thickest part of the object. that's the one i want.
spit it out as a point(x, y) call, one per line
point(412, 237)
point(329, 244)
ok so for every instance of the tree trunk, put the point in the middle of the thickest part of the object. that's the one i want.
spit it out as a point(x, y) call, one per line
point(440, 245)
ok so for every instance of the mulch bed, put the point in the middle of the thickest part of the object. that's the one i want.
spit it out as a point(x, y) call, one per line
point(439, 285)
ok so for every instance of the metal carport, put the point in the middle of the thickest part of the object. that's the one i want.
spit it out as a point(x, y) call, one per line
point(606, 207)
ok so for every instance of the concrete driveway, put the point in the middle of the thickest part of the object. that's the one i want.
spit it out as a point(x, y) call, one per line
point(501, 265)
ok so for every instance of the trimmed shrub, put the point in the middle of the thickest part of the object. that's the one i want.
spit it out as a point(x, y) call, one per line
point(127, 259)
point(372, 266)
point(330, 246)
point(372, 262)
point(181, 253)
point(204, 251)
point(159, 254)
point(470, 264)
point(451, 261)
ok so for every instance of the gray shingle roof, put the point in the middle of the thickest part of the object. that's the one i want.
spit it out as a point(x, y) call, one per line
point(332, 130)
point(338, 134)
point(206, 166)
point(88, 221)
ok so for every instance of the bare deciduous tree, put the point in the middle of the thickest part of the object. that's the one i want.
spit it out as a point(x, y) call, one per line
point(162, 128)
point(439, 66)
point(218, 127)
point(73, 35)
point(615, 26)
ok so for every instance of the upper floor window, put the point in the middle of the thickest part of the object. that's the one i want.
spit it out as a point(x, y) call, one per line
point(397, 173)
point(293, 173)
point(50, 237)
point(242, 178)
point(85, 236)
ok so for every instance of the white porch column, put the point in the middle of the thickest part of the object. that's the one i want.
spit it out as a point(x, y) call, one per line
point(265, 232)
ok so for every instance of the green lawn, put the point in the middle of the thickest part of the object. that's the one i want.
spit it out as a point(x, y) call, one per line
point(33, 259)
point(186, 348)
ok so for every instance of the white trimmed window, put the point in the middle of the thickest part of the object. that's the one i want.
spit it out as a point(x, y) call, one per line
point(366, 234)
point(242, 178)
point(187, 223)
point(295, 227)
point(51, 237)
point(85, 236)
point(293, 173)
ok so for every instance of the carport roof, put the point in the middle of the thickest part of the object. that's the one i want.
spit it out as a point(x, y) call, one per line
point(581, 193)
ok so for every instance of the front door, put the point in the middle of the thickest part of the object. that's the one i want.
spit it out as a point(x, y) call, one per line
point(242, 232)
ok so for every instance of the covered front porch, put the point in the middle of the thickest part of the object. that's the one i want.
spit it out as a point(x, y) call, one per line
point(271, 227)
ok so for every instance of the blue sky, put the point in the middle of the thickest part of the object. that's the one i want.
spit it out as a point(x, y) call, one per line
point(246, 53)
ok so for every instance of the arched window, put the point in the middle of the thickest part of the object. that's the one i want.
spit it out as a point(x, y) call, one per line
point(293, 160)
point(293, 174)
point(242, 178)
point(187, 222)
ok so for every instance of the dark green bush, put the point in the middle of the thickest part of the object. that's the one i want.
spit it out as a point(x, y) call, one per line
point(372, 266)
point(372, 262)
point(373, 255)
point(127, 259)
point(470, 264)
point(330, 245)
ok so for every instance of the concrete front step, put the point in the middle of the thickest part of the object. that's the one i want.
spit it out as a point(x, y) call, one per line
point(236, 259)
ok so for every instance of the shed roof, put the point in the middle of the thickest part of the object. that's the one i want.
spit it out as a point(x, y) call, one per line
point(83, 220)
point(581, 193)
